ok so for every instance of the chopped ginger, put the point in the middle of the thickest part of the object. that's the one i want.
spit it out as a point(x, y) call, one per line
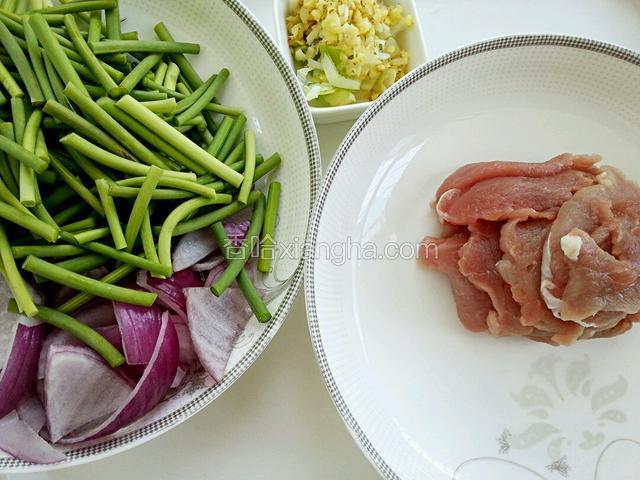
point(346, 50)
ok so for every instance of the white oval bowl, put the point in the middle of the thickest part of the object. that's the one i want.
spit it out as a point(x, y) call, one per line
point(424, 398)
point(262, 82)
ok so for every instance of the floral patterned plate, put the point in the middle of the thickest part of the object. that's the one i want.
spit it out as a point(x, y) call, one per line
point(424, 398)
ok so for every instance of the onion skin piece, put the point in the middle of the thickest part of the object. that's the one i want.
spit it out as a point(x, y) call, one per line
point(21, 368)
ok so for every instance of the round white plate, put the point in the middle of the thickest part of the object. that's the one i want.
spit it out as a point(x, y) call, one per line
point(424, 398)
point(262, 82)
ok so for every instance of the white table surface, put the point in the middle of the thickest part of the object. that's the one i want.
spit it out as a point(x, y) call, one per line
point(278, 421)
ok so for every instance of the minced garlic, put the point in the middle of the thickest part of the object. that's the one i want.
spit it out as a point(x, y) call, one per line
point(358, 37)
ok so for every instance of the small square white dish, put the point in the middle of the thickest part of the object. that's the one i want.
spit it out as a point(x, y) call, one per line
point(411, 40)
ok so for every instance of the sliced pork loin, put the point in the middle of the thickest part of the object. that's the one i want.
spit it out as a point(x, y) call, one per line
point(586, 279)
point(618, 329)
point(441, 254)
point(478, 260)
point(598, 282)
point(550, 251)
point(586, 211)
point(522, 244)
point(468, 175)
point(504, 198)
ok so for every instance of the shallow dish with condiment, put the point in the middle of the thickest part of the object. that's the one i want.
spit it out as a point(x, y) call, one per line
point(410, 39)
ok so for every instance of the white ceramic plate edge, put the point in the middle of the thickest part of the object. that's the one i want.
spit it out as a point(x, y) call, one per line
point(513, 41)
point(154, 429)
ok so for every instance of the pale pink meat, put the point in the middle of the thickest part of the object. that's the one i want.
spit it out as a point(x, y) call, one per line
point(441, 254)
point(504, 198)
point(469, 175)
point(587, 210)
point(478, 259)
point(547, 251)
point(599, 282)
point(620, 328)
point(522, 244)
point(609, 322)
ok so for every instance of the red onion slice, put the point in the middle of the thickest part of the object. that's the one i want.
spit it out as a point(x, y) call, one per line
point(19, 440)
point(180, 374)
point(192, 248)
point(80, 389)
point(59, 337)
point(112, 334)
point(55, 337)
point(31, 411)
point(98, 314)
point(177, 319)
point(213, 274)
point(187, 353)
point(195, 246)
point(139, 327)
point(9, 320)
point(209, 263)
point(150, 390)
point(215, 323)
point(21, 366)
point(131, 373)
point(169, 290)
point(237, 226)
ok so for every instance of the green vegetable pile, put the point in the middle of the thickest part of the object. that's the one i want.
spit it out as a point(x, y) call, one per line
point(110, 147)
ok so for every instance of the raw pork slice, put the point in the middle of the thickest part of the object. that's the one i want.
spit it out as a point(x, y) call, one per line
point(478, 259)
point(522, 244)
point(469, 175)
point(504, 198)
point(598, 282)
point(441, 254)
point(620, 328)
point(549, 251)
point(586, 279)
